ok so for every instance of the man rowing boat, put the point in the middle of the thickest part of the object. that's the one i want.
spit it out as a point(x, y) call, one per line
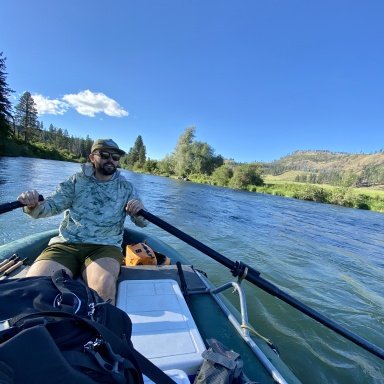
point(95, 203)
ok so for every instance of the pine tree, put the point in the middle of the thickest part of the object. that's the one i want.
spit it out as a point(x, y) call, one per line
point(5, 104)
point(142, 151)
point(26, 117)
point(137, 154)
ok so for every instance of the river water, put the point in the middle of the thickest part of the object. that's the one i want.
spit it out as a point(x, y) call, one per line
point(328, 257)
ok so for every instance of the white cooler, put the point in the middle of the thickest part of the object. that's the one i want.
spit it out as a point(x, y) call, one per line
point(163, 329)
point(180, 377)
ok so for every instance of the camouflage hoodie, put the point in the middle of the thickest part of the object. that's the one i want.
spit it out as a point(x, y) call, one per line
point(93, 209)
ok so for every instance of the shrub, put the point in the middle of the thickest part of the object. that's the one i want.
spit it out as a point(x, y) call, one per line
point(312, 193)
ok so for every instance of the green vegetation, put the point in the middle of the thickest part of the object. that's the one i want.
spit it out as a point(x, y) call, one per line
point(319, 176)
point(136, 157)
point(47, 150)
point(347, 197)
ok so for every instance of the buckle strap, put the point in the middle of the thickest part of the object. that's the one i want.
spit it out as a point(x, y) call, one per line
point(93, 362)
point(115, 364)
point(66, 299)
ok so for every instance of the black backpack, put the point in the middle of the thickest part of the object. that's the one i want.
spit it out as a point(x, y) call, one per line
point(57, 330)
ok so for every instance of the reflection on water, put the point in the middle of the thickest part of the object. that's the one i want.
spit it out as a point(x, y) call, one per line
point(329, 257)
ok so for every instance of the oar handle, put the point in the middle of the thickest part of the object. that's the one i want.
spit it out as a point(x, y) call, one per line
point(8, 271)
point(253, 276)
point(9, 264)
point(7, 207)
point(14, 256)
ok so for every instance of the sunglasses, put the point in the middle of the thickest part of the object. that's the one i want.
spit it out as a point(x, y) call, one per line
point(105, 155)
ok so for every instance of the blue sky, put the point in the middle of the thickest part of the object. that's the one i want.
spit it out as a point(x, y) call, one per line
point(258, 79)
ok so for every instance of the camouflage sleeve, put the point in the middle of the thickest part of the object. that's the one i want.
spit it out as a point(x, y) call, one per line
point(57, 203)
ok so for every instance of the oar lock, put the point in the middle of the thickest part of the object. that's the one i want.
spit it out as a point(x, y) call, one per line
point(240, 270)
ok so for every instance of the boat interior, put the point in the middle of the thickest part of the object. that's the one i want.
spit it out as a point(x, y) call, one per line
point(175, 309)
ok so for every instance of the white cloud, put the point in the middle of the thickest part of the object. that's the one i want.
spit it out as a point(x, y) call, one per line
point(89, 103)
point(86, 103)
point(47, 106)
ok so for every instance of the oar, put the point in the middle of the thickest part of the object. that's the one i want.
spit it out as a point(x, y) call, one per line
point(241, 269)
point(14, 256)
point(12, 268)
point(7, 207)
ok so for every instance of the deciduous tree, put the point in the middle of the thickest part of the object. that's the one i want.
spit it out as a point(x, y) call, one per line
point(222, 175)
point(245, 175)
point(191, 156)
point(182, 155)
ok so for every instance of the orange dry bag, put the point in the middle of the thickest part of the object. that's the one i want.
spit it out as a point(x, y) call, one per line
point(139, 254)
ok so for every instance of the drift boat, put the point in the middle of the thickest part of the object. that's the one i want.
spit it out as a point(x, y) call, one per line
point(175, 308)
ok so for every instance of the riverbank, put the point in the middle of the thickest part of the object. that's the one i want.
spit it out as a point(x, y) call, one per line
point(19, 148)
point(359, 198)
point(347, 197)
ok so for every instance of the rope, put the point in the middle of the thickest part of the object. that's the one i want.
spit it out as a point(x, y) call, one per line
point(254, 332)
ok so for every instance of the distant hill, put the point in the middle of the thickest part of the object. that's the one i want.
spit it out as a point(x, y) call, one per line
point(326, 167)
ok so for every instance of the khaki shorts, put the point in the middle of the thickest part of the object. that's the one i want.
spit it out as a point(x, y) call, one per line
point(76, 257)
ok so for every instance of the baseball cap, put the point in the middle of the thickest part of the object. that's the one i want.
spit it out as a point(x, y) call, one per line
point(106, 144)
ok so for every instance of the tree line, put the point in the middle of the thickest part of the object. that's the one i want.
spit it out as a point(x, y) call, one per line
point(194, 160)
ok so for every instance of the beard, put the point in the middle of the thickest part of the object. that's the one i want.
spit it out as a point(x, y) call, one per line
point(106, 169)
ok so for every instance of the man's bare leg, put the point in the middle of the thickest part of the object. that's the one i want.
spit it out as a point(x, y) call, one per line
point(46, 268)
point(101, 275)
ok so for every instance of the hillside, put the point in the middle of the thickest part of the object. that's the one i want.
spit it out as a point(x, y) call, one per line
point(327, 167)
